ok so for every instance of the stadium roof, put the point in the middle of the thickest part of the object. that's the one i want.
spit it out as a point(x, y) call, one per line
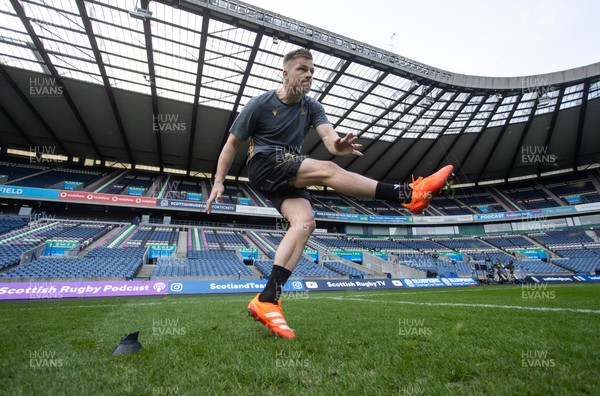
point(105, 80)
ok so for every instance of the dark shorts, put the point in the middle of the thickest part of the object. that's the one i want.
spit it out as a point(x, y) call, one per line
point(273, 174)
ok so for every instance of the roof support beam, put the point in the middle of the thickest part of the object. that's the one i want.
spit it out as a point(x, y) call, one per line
point(354, 106)
point(33, 110)
point(462, 131)
point(418, 100)
point(480, 134)
point(238, 98)
point(410, 172)
point(65, 93)
point(6, 114)
point(552, 126)
point(500, 136)
point(199, 73)
point(518, 149)
point(107, 87)
point(334, 77)
point(415, 140)
point(390, 108)
point(436, 140)
point(581, 122)
point(152, 78)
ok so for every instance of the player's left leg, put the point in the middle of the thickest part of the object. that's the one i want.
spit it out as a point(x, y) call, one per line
point(266, 306)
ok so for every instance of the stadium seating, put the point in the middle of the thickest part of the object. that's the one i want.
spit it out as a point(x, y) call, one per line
point(59, 175)
point(202, 263)
point(337, 242)
point(9, 223)
point(16, 171)
point(421, 244)
point(462, 244)
point(425, 262)
point(531, 267)
point(343, 269)
point(508, 241)
point(378, 244)
point(10, 254)
point(563, 237)
point(99, 263)
point(305, 268)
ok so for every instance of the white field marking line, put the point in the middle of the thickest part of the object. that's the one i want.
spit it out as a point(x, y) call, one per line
point(517, 307)
point(436, 290)
point(132, 304)
point(394, 292)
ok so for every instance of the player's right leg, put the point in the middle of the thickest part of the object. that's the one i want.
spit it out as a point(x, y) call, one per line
point(416, 197)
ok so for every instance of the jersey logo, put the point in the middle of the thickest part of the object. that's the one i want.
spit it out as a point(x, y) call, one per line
point(274, 111)
point(302, 111)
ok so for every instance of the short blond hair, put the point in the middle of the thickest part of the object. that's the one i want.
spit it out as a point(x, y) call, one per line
point(297, 53)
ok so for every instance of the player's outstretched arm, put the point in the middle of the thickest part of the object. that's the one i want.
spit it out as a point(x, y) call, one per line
point(225, 160)
point(336, 145)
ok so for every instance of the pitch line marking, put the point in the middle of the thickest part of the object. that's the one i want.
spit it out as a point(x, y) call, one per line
point(518, 307)
point(132, 304)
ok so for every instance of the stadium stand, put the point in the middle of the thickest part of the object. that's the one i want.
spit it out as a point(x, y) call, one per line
point(99, 263)
point(527, 195)
point(479, 202)
point(211, 251)
point(561, 237)
point(10, 254)
point(57, 176)
point(573, 189)
point(9, 223)
point(343, 269)
point(304, 269)
point(203, 263)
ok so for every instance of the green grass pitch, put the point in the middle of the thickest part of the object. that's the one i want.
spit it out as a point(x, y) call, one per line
point(480, 340)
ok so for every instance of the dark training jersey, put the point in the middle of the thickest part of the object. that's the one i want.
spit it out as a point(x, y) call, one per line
point(271, 124)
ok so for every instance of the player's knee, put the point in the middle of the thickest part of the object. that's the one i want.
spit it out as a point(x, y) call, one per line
point(304, 224)
point(311, 225)
point(328, 169)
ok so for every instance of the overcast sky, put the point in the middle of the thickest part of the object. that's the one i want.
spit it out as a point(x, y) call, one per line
point(477, 37)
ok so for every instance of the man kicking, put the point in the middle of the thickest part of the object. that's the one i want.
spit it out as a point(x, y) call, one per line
point(276, 124)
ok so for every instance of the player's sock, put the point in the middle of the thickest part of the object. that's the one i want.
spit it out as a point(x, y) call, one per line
point(272, 290)
point(393, 192)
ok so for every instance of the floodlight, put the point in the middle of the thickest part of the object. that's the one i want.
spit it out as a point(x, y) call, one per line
point(140, 13)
